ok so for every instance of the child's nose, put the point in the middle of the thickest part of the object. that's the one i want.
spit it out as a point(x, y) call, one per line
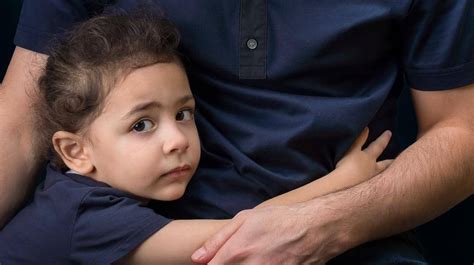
point(176, 141)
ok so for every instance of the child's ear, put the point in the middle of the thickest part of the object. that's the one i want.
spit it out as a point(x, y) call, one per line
point(73, 152)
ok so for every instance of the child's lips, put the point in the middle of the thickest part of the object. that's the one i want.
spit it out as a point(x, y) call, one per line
point(178, 171)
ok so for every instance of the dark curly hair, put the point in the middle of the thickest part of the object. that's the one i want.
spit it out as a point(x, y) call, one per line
point(86, 64)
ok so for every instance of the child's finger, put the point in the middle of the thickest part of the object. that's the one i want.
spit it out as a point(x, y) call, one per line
point(376, 147)
point(384, 164)
point(361, 139)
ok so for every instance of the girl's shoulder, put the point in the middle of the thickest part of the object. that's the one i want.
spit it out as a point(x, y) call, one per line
point(41, 231)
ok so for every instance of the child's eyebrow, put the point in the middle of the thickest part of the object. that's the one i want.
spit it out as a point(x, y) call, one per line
point(154, 104)
point(184, 99)
point(141, 107)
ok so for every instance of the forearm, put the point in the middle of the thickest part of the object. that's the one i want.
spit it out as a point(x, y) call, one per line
point(17, 167)
point(356, 166)
point(174, 243)
point(332, 182)
point(18, 159)
point(427, 179)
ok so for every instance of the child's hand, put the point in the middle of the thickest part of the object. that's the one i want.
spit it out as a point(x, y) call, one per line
point(356, 166)
point(359, 165)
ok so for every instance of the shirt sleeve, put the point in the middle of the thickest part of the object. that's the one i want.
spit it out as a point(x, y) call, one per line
point(41, 21)
point(109, 226)
point(438, 44)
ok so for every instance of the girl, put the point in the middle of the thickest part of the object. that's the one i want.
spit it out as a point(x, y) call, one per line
point(116, 110)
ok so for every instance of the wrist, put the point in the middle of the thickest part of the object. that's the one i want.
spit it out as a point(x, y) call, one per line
point(335, 222)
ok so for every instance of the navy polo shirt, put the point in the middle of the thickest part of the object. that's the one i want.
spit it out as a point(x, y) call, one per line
point(284, 87)
point(73, 219)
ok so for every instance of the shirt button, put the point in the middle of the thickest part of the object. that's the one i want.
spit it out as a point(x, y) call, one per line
point(252, 44)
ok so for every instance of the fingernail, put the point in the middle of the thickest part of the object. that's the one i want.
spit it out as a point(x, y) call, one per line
point(198, 254)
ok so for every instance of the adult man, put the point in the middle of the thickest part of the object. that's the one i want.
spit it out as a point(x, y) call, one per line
point(283, 88)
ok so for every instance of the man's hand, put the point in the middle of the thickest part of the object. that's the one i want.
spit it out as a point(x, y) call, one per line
point(276, 235)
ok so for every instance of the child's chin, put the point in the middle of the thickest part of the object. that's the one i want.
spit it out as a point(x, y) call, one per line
point(170, 195)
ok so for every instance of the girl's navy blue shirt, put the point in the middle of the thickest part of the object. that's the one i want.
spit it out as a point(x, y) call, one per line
point(73, 219)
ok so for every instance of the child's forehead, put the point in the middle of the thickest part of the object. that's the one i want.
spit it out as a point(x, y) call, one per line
point(162, 82)
point(124, 72)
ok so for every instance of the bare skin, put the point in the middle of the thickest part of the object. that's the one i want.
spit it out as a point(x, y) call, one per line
point(18, 162)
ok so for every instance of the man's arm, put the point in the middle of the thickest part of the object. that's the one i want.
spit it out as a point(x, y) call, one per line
point(428, 178)
point(432, 175)
point(18, 162)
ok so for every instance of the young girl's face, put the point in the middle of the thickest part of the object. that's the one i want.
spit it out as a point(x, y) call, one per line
point(145, 142)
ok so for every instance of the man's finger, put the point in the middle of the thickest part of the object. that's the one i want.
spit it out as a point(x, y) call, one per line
point(205, 253)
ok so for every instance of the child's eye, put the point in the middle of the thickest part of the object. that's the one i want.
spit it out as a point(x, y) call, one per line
point(143, 125)
point(185, 115)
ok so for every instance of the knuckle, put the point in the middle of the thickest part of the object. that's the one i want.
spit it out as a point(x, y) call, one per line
point(242, 253)
point(211, 244)
point(208, 245)
point(242, 214)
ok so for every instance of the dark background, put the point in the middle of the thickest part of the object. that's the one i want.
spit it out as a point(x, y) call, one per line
point(448, 239)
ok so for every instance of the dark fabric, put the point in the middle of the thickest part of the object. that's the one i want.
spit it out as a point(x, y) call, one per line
point(253, 28)
point(76, 220)
point(398, 250)
point(331, 68)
